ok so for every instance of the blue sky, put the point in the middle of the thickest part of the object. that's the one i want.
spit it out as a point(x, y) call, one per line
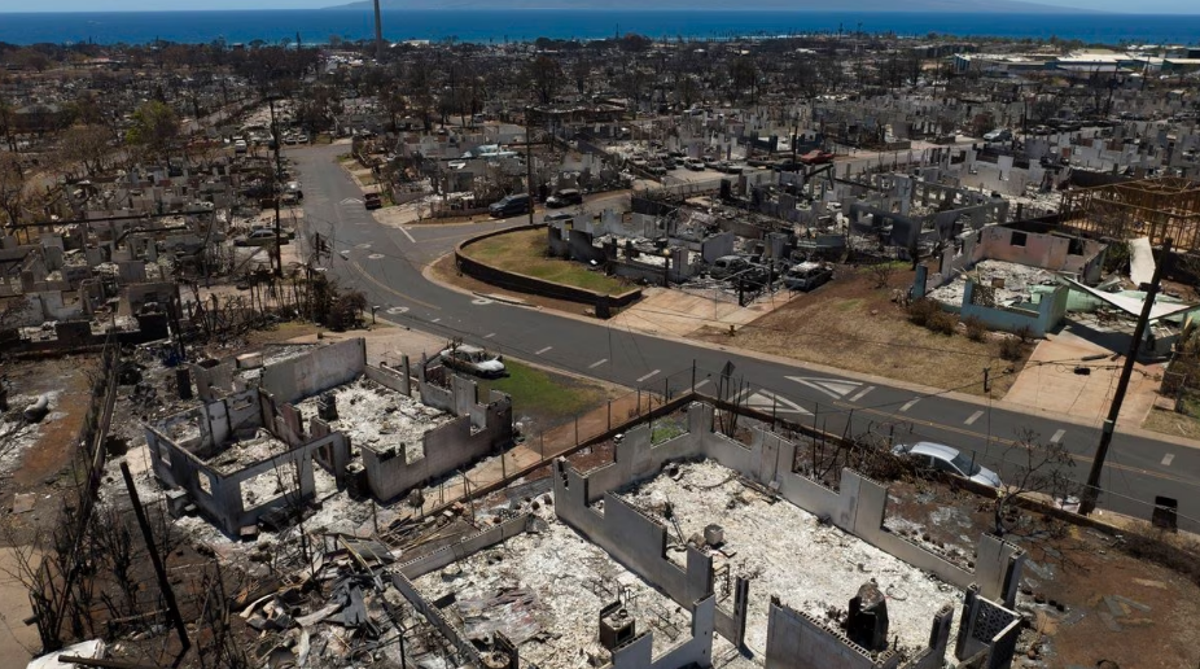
point(1147, 6)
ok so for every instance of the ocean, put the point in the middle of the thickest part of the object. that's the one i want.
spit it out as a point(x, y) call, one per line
point(318, 26)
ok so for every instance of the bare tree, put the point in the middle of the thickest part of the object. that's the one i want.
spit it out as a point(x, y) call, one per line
point(545, 78)
point(1038, 469)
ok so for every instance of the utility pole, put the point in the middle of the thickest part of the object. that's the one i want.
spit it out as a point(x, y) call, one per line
point(378, 33)
point(529, 160)
point(1092, 492)
point(278, 190)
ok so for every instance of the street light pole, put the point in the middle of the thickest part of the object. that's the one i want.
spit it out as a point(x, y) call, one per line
point(1092, 492)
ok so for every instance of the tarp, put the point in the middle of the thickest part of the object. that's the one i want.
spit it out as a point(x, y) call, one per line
point(1133, 305)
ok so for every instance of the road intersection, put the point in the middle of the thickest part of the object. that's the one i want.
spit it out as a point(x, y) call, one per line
point(387, 263)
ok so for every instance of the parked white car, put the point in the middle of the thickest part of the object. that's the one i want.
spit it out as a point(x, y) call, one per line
point(927, 454)
point(473, 360)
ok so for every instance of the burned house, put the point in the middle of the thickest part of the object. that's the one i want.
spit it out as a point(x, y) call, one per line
point(247, 456)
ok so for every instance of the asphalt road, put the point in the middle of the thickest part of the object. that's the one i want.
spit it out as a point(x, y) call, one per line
point(386, 264)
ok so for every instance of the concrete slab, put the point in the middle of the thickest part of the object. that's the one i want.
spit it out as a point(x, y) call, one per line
point(1049, 382)
point(674, 312)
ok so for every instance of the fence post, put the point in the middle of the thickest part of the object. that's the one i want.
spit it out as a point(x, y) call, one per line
point(666, 390)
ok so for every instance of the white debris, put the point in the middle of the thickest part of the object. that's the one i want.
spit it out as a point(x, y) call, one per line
point(789, 553)
point(378, 417)
point(570, 580)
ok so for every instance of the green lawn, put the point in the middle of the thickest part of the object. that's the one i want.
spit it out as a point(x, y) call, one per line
point(548, 397)
point(524, 252)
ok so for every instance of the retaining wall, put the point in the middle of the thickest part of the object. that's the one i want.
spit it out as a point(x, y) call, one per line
point(520, 282)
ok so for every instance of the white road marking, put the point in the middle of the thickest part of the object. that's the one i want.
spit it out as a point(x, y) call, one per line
point(599, 362)
point(768, 402)
point(909, 404)
point(410, 237)
point(489, 335)
point(436, 320)
point(862, 393)
point(1057, 436)
point(1167, 459)
point(835, 388)
point(703, 383)
point(397, 310)
point(543, 350)
point(974, 417)
point(651, 374)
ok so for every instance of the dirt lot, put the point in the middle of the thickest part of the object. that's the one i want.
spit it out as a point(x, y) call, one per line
point(1085, 594)
point(850, 324)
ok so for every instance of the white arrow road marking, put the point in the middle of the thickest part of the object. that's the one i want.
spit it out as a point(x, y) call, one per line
point(351, 200)
point(835, 388)
point(768, 402)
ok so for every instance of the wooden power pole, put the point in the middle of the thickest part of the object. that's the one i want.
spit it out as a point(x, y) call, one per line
point(1092, 492)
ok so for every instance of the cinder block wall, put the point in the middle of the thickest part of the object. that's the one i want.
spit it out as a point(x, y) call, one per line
point(797, 641)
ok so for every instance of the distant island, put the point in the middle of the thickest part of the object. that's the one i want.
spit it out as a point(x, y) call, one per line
point(822, 6)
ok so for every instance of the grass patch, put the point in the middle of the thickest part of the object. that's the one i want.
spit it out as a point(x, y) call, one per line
point(535, 392)
point(1174, 423)
point(524, 252)
point(665, 431)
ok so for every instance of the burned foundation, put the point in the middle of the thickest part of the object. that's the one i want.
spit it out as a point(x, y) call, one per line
point(613, 506)
point(247, 458)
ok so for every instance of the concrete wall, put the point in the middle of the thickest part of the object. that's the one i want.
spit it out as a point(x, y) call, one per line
point(798, 641)
point(987, 627)
point(1050, 312)
point(695, 651)
point(1052, 252)
point(859, 507)
point(482, 430)
point(528, 284)
point(218, 496)
point(292, 380)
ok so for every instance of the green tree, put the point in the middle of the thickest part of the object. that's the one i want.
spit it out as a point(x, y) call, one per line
point(155, 128)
